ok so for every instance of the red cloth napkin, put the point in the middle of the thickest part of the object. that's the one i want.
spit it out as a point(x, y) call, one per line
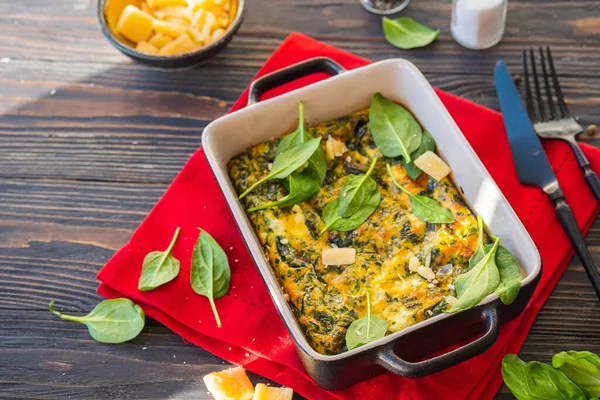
point(253, 334)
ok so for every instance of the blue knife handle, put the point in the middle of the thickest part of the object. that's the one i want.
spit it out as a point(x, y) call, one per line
point(567, 220)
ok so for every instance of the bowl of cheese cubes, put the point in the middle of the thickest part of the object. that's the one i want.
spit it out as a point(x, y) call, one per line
point(170, 33)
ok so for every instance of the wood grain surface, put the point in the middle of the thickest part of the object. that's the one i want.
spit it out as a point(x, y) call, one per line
point(89, 141)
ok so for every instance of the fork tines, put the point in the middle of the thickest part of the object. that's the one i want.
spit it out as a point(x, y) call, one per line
point(541, 112)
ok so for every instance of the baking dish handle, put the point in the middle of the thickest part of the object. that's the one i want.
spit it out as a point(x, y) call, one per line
point(388, 359)
point(288, 74)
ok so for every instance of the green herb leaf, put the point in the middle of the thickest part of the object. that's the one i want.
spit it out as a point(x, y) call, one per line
point(538, 381)
point(510, 275)
point(303, 185)
point(582, 367)
point(395, 131)
point(210, 273)
point(288, 161)
point(425, 208)
point(480, 251)
point(366, 329)
point(334, 221)
point(474, 285)
point(427, 144)
point(356, 192)
point(111, 321)
point(159, 267)
point(406, 33)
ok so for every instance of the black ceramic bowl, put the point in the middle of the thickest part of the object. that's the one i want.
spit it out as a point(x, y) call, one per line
point(186, 60)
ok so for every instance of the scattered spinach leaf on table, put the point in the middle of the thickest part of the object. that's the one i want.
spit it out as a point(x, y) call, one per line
point(425, 208)
point(538, 381)
point(582, 367)
point(305, 184)
point(427, 144)
point(159, 267)
point(366, 329)
point(111, 321)
point(210, 273)
point(406, 33)
point(288, 161)
point(395, 131)
point(474, 285)
point(356, 192)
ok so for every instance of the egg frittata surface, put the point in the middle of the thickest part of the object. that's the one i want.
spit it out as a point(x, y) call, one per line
point(327, 299)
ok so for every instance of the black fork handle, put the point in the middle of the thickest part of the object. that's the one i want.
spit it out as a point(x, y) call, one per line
point(565, 215)
point(591, 177)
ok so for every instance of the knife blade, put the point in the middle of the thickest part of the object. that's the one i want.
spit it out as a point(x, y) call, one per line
point(531, 162)
point(533, 167)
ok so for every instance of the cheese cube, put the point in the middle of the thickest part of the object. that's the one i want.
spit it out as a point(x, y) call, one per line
point(183, 44)
point(414, 264)
point(160, 40)
point(264, 392)
point(217, 34)
point(338, 256)
point(145, 47)
point(334, 148)
point(134, 24)
point(166, 3)
point(196, 36)
point(426, 272)
point(433, 165)
point(168, 28)
point(230, 384)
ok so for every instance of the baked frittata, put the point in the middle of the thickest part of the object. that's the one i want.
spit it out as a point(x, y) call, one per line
point(327, 299)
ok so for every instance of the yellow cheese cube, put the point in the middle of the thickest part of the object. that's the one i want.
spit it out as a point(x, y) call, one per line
point(338, 256)
point(183, 44)
point(160, 40)
point(433, 165)
point(264, 392)
point(168, 28)
point(217, 34)
point(229, 384)
point(196, 36)
point(145, 47)
point(166, 3)
point(134, 24)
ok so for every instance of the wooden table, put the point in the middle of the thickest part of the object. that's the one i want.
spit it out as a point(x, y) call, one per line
point(90, 141)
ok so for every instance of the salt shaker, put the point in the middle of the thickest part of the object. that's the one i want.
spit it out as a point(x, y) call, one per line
point(478, 24)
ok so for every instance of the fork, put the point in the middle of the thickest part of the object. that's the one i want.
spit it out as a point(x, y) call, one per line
point(550, 120)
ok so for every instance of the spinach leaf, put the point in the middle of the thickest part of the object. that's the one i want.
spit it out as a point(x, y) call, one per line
point(159, 267)
point(474, 285)
point(288, 161)
point(425, 208)
point(210, 273)
point(510, 275)
point(366, 329)
point(538, 381)
point(480, 251)
point(335, 222)
point(406, 33)
point(356, 192)
point(582, 367)
point(427, 144)
point(111, 321)
point(303, 185)
point(395, 131)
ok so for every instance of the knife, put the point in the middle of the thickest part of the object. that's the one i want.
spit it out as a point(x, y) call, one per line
point(533, 167)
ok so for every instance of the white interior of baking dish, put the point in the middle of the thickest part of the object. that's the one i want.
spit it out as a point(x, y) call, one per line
point(339, 96)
